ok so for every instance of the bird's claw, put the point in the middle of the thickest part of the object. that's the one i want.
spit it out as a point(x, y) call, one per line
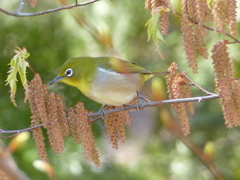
point(101, 112)
point(125, 107)
point(140, 105)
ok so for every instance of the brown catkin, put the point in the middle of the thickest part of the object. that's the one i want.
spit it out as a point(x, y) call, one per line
point(163, 20)
point(224, 12)
point(33, 102)
point(189, 42)
point(186, 93)
point(189, 7)
point(199, 37)
point(115, 124)
point(219, 14)
point(155, 4)
point(161, 8)
point(125, 117)
point(236, 92)
point(36, 117)
point(62, 119)
point(74, 125)
point(200, 10)
point(232, 13)
point(119, 127)
point(170, 79)
point(39, 95)
point(110, 127)
point(33, 3)
point(39, 141)
point(178, 88)
point(203, 13)
point(147, 4)
point(53, 128)
point(39, 101)
point(183, 117)
point(196, 11)
point(226, 84)
point(164, 23)
point(87, 139)
point(180, 107)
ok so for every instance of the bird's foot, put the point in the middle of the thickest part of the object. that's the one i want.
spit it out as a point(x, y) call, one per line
point(140, 105)
point(144, 99)
point(101, 111)
point(125, 107)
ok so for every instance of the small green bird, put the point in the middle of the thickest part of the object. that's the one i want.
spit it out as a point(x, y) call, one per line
point(106, 80)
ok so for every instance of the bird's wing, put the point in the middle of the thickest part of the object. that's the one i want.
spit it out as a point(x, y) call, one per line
point(124, 67)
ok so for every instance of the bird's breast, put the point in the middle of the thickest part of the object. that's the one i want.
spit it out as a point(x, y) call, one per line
point(112, 88)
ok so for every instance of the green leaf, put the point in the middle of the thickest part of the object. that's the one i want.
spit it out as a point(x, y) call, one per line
point(159, 36)
point(153, 28)
point(18, 64)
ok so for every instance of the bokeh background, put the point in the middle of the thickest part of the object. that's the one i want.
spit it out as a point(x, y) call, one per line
point(114, 28)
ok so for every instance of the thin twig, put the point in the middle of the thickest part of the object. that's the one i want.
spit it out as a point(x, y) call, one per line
point(10, 136)
point(21, 6)
point(16, 132)
point(30, 67)
point(194, 84)
point(212, 29)
point(155, 103)
point(47, 11)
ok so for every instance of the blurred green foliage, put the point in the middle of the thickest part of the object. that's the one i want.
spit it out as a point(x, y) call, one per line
point(150, 151)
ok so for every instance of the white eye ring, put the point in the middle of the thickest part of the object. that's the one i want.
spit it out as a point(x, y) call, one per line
point(69, 72)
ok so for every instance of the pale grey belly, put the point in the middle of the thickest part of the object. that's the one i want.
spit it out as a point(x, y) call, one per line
point(115, 89)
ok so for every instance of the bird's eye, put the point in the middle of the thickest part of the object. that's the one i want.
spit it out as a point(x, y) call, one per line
point(69, 72)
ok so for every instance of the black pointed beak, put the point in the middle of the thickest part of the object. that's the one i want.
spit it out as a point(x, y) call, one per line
point(59, 78)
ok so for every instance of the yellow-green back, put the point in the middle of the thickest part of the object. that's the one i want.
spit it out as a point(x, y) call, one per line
point(84, 69)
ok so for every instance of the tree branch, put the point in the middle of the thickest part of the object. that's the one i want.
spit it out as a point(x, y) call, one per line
point(16, 132)
point(193, 84)
point(154, 103)
point(21, 6)
point(135, 106)
point(19, 14)
point(211, 29)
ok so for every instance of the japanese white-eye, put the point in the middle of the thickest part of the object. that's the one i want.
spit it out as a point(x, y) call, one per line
point(106, 80)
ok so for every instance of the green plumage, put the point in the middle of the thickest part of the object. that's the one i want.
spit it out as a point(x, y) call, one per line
point(106, 80)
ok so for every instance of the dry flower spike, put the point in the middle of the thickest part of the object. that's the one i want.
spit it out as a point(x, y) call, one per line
point(159, 11)
point(224, 12)
point(46, 110)
point(33, 3)
point(178, 87)
point(194, 15)
point(115, 125)
point(74, 125)
point(82, 132)
point(86, 136)
point(36, 117)
point(227, 86)
point(55, 134)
